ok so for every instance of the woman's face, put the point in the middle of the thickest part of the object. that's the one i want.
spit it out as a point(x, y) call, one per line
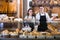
point(30, 12)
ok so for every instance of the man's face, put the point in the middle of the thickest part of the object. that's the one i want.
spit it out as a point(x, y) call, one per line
point(41, 9)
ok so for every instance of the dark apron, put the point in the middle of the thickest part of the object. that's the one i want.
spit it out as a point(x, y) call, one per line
point(43, 24)
point(31, 24)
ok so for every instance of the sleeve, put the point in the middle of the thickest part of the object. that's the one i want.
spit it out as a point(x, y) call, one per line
point(48, 18)
point(25, 17)
point(37, 16)
point(33, 19)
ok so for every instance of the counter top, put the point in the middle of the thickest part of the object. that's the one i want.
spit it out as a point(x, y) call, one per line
point(51, 38)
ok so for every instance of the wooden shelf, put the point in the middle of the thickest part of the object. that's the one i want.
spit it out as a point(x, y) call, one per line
point(48, 5)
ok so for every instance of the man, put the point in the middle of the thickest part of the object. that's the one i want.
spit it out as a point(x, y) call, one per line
point(43, 17)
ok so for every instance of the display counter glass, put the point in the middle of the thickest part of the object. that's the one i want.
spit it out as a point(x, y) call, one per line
point(13, 28)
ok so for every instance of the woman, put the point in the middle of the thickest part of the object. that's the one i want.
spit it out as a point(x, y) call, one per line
point(43, 17)
point(30, 19)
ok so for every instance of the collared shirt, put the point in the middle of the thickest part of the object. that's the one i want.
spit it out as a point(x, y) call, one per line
point(47, 16)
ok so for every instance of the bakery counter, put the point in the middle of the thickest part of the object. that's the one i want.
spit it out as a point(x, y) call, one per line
point(46, 38)
point(21, 39)
point(41, 37)
point(25, 35)
point(6, 34)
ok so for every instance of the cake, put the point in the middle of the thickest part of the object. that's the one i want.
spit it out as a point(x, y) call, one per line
point(5, 33)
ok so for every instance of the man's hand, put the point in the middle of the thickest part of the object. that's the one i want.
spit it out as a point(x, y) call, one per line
point(54, 17)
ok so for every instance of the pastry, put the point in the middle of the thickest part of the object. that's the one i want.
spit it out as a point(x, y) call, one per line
point(48, 34)
point(18, 19)
point(13, 34)
point(21, 32)
point(5, 33)
point(17, 30)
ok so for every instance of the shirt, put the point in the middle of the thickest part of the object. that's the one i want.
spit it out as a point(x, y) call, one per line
point(31, 17)
point(47, 16)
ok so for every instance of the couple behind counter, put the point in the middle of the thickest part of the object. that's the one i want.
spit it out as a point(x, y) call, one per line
point(42, 17)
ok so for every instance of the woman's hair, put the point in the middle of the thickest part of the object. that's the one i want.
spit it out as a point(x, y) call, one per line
point(29, 10)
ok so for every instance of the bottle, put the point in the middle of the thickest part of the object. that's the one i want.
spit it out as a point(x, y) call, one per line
point(1, 25)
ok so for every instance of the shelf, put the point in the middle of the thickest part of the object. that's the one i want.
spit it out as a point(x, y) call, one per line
point(48, 5)
point(38, 5)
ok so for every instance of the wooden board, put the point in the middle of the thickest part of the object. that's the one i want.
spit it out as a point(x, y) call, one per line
point(3, 7)
point(21, 8)
point(12, 6)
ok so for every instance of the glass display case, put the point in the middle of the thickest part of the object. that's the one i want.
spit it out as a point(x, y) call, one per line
point(10, 26)
point(13, 28)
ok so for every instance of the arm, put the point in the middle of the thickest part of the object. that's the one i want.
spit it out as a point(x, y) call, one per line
point(48, 18)
point(28, 18)
point(52, 18)
point(25, 18)
point(33, 20)
point(37, 17)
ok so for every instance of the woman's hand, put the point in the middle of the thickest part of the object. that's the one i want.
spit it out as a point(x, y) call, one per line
point(28, 19)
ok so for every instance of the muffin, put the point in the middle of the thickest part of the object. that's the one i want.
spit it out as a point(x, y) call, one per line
point(13, 35)
point(5, 33)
